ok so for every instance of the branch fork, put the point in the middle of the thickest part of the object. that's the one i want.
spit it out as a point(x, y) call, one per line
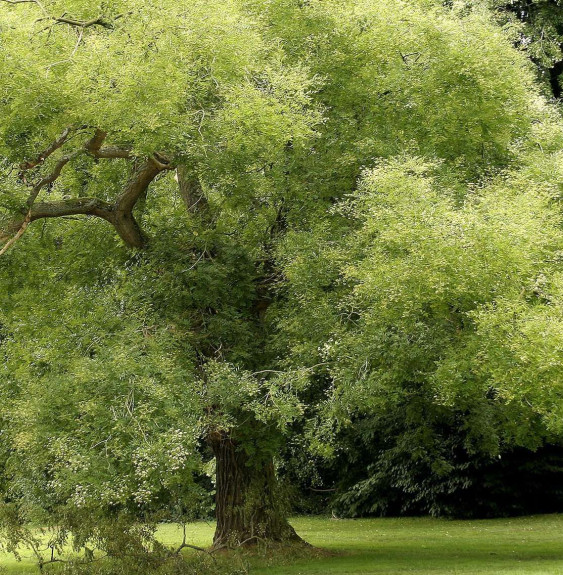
point(119, 213)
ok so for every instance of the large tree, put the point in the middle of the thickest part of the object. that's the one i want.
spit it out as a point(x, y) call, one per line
point(99, 102)
point(213, 137)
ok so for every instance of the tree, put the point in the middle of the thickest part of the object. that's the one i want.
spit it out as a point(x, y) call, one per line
point(201, 330)
point(125, 96)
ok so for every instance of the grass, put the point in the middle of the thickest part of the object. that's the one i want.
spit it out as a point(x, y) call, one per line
point(423, 546)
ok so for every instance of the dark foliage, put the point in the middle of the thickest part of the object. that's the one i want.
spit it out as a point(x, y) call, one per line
point(391, 475)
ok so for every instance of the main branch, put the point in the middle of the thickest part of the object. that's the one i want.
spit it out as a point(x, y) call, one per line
point(119, 213)
point(72, 207)
point(123, 219)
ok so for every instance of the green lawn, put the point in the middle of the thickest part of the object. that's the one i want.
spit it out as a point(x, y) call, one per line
point(530, 545)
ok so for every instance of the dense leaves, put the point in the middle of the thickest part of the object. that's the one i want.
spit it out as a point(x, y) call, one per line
point(408, 301)
point(537, 28)
point(347, 211)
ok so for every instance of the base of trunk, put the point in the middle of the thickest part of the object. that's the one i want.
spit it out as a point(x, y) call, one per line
point(249, 508)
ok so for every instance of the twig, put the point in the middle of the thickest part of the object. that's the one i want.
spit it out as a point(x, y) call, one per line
point(405, 58)
point(195, 264)
point(81, 33)
point(185, 545)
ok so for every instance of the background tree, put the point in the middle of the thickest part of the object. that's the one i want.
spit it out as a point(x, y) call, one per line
point(536, 27)
point(400, 303)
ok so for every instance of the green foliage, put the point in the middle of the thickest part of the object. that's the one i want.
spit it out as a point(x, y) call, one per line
point(378, 230)
point(407, 305)
point(395, 76)
point(536, 27)
point(119, 77)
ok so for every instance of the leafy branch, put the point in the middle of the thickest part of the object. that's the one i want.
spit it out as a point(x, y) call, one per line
point(119, 213)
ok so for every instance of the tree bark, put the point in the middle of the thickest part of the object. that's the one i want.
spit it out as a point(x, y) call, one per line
point(249, 508)
point(190, 191)
point(119, 213)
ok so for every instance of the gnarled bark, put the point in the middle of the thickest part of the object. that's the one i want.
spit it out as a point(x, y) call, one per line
point(248, 504)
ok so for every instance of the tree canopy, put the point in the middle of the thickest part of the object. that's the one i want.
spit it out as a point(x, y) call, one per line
point(318, 211)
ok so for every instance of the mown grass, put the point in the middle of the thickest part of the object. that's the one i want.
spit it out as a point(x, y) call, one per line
point(423, 546)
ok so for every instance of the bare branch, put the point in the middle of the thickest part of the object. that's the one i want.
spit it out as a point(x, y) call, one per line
point(78, 42)
point(123, 218)
point(80, 24)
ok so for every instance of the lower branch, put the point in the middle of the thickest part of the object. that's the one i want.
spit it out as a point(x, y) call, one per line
point(41, 210)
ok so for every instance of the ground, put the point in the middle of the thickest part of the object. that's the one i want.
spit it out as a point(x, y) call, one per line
point(420, 546)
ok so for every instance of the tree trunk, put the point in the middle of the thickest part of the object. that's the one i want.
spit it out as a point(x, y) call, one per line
point(249, 508)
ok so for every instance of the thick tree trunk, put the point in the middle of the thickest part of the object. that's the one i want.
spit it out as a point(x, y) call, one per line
point(248, 505)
